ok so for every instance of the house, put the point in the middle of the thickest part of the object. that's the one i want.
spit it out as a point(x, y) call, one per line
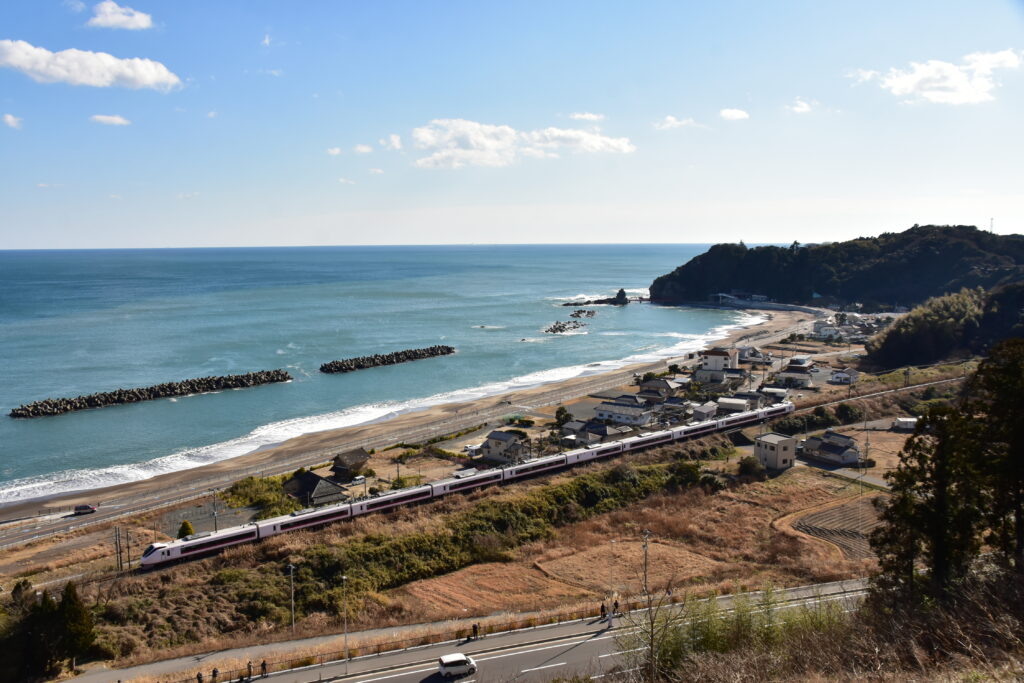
point(796, 376)
point(750, 353)
point(503, 446)
point(578, 433)
point(631, 412)
point(833, 447)
point(826, 329)
point(658, 389)
point(844, 376)
point(755, 399)
point(732, 405)
point(312, 490)
point(347, 465)
point(714, 363)
point(775, 451)
point(703, 413)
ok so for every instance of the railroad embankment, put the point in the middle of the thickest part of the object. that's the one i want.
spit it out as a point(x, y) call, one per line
point(201, 385)
point(377, 360)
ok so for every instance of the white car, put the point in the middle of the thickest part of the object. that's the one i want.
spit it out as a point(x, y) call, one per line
point(456, 664)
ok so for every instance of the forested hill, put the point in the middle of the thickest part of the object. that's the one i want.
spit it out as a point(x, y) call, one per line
point(893, 268)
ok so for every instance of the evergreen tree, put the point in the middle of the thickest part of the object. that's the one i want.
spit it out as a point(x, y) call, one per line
point(996, 391)
point(41, 636)
point(562, 416)
point(185, 529)
point(77, 624)
point(934, 514)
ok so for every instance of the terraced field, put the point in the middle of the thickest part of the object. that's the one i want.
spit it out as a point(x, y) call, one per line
point(846, 526)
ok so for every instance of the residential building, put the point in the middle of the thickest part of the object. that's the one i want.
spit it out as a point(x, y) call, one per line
point(312, 490)
point(714, 363)
point(844, 376)
point(732, 405)
point(833, 447)
point(624, 412)
point(703, 413)
point(796, 376)
point(347, 465)
point(775, 451)
point(505, 447)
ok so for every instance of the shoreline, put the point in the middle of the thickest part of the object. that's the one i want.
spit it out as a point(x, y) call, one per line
point(298, 450)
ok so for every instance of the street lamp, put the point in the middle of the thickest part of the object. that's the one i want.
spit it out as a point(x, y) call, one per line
point(291, 579)
point(344, 602)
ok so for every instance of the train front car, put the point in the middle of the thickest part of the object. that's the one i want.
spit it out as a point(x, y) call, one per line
point(152, 557)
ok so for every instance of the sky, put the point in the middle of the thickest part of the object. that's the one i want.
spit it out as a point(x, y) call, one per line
point(319, 122)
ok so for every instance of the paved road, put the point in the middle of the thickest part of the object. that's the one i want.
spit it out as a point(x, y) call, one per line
point(589, 646)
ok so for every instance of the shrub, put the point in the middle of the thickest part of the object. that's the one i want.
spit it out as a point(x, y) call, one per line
point(751, 467)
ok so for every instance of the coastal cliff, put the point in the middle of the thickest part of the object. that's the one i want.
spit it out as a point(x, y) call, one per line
point(894, 268)
point(377, 360)
point(201, 385)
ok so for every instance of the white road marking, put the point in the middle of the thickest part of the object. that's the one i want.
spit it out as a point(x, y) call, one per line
point(538, 668)
point(613, 654)
point(404, 673)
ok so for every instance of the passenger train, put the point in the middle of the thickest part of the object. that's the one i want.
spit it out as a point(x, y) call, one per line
point(195, 545)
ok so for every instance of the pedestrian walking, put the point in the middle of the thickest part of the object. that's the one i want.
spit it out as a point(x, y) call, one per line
point(476, 631)
point(615, 607)
point(199, 677)
point(216, 673)
point(248, 668)
point(603, 611)
point(263, 669)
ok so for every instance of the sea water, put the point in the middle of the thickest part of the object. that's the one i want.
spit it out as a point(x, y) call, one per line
point(80, 322)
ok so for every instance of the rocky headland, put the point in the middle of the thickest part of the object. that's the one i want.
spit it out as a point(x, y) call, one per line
point(201, 385)
point(619, 299)
point(377, 360)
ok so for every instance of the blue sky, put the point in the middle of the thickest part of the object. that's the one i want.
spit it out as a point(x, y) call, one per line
point(199, 123)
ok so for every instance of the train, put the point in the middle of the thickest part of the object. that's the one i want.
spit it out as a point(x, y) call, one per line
point(195, 545)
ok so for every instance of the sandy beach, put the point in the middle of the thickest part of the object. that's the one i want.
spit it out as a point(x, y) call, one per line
point(319, 446)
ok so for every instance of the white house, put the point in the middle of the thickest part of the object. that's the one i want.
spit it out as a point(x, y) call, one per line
point(715, 362)
point(503, 447)
point(796, 376)
point(775, 451)
point(844, 376)
point(623, 413)
point(733, 404)
point(833, 447)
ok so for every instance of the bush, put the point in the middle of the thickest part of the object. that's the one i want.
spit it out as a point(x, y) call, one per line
point(751, 467)
point(847, 413)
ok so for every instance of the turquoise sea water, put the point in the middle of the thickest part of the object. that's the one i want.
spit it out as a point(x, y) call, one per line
point(78, 322)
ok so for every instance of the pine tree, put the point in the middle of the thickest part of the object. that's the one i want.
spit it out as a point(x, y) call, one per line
point(185, 529)
point(995, 392)
point(935, 512)
point(77, 623)
point(562, 416)
point(40, 632)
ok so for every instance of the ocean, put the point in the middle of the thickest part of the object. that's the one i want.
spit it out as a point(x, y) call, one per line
point(79, 322)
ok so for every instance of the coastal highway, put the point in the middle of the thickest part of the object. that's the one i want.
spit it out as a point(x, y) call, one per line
point(589, 647)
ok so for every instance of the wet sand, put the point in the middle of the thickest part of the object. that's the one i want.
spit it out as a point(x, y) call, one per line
point(320, 446)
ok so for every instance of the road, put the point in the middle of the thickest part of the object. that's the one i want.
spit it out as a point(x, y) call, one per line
point(590, 647)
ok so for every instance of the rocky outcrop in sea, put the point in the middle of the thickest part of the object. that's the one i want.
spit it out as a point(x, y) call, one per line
point(619, 299)
point(582, 313)
point(559, 327)
point(201, 385)
point(363, 362)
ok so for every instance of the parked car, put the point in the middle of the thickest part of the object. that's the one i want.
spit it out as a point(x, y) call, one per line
point(84, 509)
point(456, 664)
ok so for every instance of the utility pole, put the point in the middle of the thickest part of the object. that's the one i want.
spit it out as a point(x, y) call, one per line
point(127, 550)
point(291, 580)
point(651, 617)
point(344, 601)
point(117, 546)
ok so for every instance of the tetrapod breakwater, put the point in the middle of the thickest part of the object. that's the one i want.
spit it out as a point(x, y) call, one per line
point(200, 385)
point(377, 360)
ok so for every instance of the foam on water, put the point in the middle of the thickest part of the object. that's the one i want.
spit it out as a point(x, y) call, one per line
point(276, 432)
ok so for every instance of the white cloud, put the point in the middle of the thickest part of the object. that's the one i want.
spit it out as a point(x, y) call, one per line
point(276, 73)
point(187, 195)
point(670, 122)
point(108, 14)
point(334, 151)
point(376, 171)
point(266, 40)
point(211, 114)
point(362, 149)
point(346, 181)
point(454, 143)
point(75, 5)
point(80, 67)
point(110, 120)
point(12, 121)
point(941, 82)
point(733, 114)
point(863, 75)
point(393, 141)
point(799, 106)
point(586, 116)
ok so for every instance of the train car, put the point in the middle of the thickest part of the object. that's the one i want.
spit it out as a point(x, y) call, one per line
point(531, 467)
point(304, 519)
point(197, 545)
point(645, 440)
point(390, 500)
point(466, 482)
point(579, 455)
